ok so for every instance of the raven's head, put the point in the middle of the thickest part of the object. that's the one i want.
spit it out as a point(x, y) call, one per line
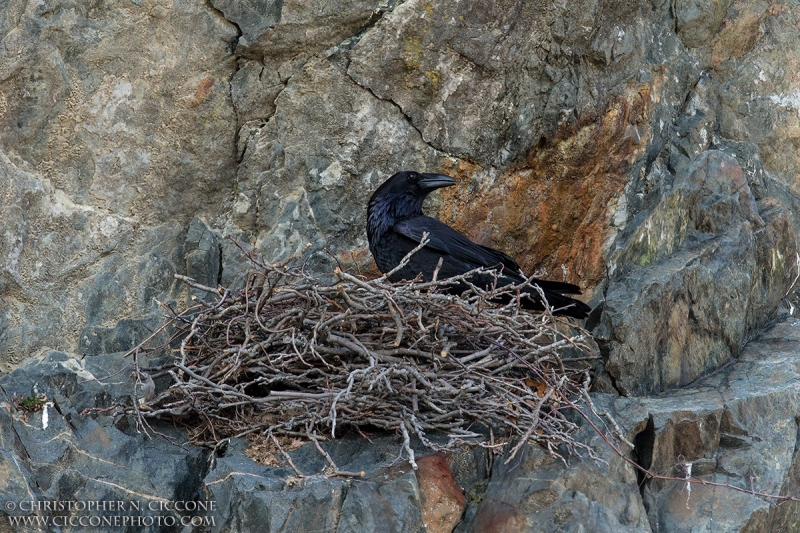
point(401, 196)
point(409, 187)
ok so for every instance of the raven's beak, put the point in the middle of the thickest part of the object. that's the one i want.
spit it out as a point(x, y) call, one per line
point(435, 181)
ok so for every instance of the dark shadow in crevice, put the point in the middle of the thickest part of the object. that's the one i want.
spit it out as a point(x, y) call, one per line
point(643, 452)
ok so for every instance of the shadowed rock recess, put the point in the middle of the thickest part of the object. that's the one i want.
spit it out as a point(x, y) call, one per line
point(650, 147)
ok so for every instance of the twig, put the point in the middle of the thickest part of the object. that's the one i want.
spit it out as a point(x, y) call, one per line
point(403, 262)
point(286, 456)
point(407, 445)
point(327, 456)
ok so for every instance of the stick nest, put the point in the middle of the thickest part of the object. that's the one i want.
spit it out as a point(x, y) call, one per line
point(294, 355)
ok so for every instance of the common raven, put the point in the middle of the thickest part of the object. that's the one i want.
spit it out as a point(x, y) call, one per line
point(395, 226)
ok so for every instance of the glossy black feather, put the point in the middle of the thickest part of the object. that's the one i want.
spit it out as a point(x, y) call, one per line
point(396, 225)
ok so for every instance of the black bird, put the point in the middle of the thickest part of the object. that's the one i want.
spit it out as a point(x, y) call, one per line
point(395, 226)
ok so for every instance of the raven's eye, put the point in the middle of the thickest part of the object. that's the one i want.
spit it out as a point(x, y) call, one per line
point(413, 177)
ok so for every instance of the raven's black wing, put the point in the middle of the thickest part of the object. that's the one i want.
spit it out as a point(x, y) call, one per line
point(446, 240)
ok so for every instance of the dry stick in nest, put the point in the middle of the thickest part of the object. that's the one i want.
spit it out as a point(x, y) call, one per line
point(291, 355)
point(327, 456)
point(286, 456)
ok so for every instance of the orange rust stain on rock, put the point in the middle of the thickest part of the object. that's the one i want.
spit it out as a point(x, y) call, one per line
point(555, 207)
point(442, 500)
point(203, 90)
point(459, 169)
point(98, 435)
point(455, 200)
point(738, 35)
point(358, 261)
point(498, 517)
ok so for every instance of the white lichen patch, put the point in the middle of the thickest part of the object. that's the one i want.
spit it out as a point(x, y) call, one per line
point(787, 100)
point(103, 105)
point(45, 415)
point(62, 205)
point(109, 226)
point(331, 175)
point(242, 204)
point(77, 367)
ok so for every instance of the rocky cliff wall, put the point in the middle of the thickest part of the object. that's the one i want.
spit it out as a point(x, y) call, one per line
point(649, 147)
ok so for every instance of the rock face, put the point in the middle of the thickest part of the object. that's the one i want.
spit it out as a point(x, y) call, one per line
point(568, 126)
point(648, 147)
point(722, 428)
point(57, 454)
point(116, 128)
point(703, 272)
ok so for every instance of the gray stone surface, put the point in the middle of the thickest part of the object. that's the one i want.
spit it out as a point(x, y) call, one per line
point(60, 454)
point(253, 17)
point(122, 106)
point(701, 273)
point(736, 426)
point(474, 82)
point(202, 258)
point(116, 128)
point(73, 274)
point(650, 147)
point(535, 492)
point(297, 187)
point(65, 453)
point(279, 118)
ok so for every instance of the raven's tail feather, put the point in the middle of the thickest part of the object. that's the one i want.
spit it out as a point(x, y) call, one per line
point(561, 305)
point(558, 287)
point(554, 292)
